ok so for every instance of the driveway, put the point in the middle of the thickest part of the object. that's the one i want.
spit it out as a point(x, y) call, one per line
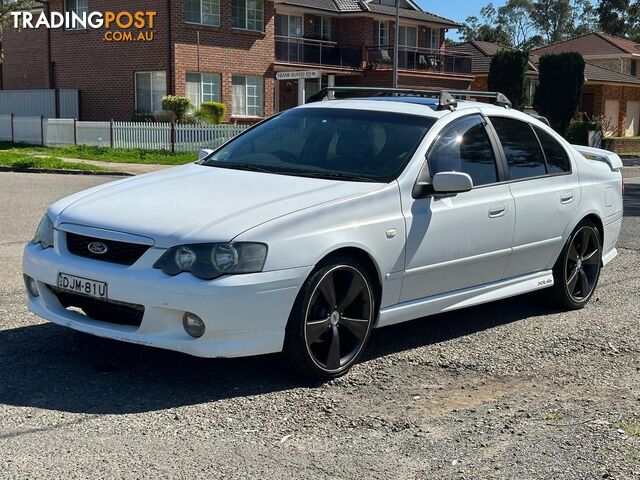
point(513, 389)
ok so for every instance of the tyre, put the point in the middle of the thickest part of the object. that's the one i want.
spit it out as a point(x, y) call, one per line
point(331, 320)
point(577, 270)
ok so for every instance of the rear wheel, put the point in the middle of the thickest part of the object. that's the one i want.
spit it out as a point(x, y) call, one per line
point(331, 320)
point(577, 271)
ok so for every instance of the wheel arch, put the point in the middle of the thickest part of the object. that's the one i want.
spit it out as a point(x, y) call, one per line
point(366, 259)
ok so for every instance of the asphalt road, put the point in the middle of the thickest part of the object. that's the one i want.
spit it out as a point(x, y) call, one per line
point(513, 389)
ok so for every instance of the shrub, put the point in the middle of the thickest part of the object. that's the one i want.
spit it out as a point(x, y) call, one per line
point(212, 112)
point(578, 132)
point(165, 116)
point(180, 106)
point(560, 90)
point(506, 75)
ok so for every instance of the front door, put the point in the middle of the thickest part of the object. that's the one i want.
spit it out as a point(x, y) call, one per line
point(455, 242)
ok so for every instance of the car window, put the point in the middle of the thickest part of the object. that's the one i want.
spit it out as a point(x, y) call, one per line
point(464, 146)
point(557, 158)
point(360, 145)
point(521, 148)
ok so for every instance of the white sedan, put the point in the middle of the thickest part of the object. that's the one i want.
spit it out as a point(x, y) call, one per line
point(329, 220)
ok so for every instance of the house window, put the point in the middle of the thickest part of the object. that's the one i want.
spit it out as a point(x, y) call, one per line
point(151, 87)
point(203, 87)
point(433, 38)
point(206, 12)
point(322, 27)
point(79, 7)
point(248, 14)
point(408, 36)
point(634, 68)
point(381, 33)
point(247, 96)
point(289, 26)
point(530, 85)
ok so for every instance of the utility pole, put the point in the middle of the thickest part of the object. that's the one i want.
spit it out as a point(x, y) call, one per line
point(395, 45)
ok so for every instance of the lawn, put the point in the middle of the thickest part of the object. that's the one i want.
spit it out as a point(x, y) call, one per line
point(22, 161)
point(103, 154)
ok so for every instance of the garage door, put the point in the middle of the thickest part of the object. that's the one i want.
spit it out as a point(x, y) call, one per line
point(633, 119)
point(612, 112)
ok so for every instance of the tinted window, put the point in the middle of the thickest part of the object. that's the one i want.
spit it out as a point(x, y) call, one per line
point(557, 159)
point(521, 147)
point(327, 142)
point(464, 146)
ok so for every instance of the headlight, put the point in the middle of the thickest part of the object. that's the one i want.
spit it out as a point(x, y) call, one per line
point(212, 260)
point(44, 233)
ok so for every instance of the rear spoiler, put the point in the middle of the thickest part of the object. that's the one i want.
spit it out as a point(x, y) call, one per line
point(610, 158)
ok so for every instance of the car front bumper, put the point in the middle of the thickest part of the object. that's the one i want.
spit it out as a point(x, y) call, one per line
point(244, 314)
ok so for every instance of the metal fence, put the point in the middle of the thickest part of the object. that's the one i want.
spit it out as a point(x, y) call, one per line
point(151, 136)
point(49, 103)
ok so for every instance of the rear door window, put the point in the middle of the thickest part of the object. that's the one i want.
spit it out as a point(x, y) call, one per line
point(557, 158)
point(521, 148)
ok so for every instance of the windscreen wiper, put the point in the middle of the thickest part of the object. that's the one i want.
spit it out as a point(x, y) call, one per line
point(337, 176)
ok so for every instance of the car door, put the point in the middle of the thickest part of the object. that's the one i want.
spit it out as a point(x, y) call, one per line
point(463, 240)
point(545, 190)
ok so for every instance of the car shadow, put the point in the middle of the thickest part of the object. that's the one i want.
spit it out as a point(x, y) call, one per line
point(632, 200)
point(51, 367)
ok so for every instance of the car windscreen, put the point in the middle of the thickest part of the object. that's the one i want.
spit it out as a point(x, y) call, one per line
point(333, 143)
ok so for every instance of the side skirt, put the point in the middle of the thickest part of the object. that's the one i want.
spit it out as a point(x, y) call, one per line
point(464, 298)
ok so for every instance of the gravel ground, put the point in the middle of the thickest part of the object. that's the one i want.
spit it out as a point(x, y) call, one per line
point(513, 389)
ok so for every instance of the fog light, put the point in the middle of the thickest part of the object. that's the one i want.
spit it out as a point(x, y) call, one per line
point(32, 286)
point(193, 325)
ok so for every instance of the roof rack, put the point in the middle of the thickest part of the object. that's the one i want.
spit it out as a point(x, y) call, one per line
point(446, 98)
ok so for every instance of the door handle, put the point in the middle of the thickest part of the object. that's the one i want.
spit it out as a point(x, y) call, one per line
point(566, 197)
point(497, 210)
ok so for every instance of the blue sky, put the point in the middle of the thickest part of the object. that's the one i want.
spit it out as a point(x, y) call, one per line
point(456, 9)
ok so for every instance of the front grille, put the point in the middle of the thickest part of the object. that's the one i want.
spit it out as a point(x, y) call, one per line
point(122, 253)
point(102, 310)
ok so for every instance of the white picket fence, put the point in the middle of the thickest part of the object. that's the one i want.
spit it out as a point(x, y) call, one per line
point(143, 135)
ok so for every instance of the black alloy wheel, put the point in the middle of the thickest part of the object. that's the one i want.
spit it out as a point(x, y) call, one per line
point(331, 321)
point(577, 271)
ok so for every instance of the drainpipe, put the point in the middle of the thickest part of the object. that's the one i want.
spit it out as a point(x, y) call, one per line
point(170, 86)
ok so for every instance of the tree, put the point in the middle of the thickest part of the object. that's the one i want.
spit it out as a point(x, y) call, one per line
point(506, 75)
point(485, 28)
point(515, 19)
point(8, 6)
point(619, 17)
point(560, 19)
point(560, 89)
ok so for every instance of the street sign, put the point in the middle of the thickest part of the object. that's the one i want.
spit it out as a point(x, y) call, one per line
point(298, 75)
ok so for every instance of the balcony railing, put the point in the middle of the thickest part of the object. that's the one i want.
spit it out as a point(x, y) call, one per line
point(418, 59)
point(316, 52)
point(310, 51)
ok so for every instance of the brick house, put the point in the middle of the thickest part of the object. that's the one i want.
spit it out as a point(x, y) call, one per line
point(232, 51)
point(612, 86)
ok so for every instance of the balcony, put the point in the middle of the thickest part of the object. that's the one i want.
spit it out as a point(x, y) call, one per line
point(307, 51)
point(418, 59)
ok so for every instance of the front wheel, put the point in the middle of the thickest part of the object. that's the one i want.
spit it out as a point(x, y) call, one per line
point(577, 271)
point(331, 320)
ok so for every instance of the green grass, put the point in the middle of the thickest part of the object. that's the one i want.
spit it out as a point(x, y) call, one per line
point(632, 429)
point(552, 416)
point(104, 154)
point(25, 162)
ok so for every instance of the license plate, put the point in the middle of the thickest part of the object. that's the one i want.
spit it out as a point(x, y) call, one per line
point(83, 286)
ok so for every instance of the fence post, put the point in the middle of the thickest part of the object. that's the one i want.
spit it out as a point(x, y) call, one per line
point(42, 130)
point(75, 132)
point(12, 131)
point(173, 136)
point(111, 134)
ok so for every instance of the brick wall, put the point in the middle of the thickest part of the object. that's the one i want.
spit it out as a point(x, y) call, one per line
point(104, 72)
point(623, 94)
point(25, 62)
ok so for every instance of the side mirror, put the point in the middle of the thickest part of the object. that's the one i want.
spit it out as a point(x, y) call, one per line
point(204, 153)
point(451, 182)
